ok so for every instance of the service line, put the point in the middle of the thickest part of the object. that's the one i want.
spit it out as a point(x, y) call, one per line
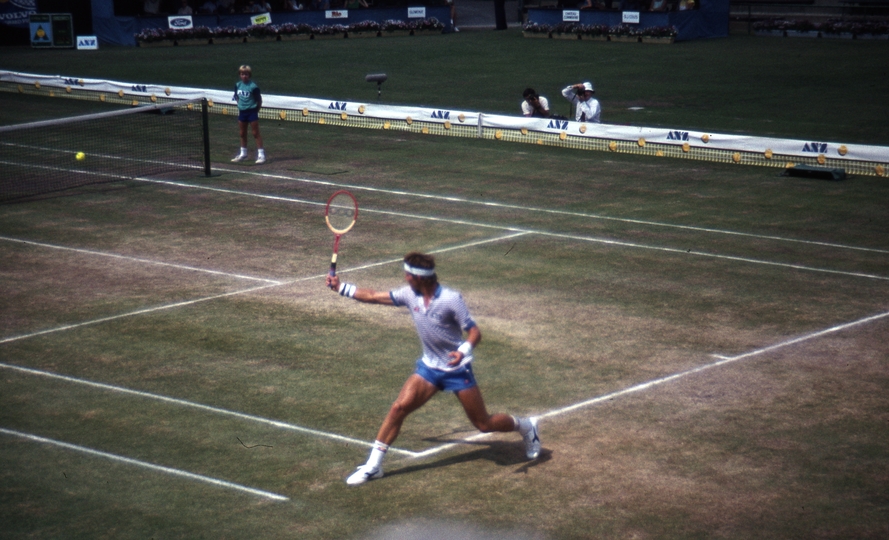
point(544, 210)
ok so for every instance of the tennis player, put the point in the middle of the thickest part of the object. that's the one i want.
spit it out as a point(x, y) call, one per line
point(249, 100)
point(441, 319)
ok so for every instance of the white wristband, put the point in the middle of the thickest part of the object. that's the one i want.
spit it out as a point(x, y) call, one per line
point(348, 290)
point(465, 348)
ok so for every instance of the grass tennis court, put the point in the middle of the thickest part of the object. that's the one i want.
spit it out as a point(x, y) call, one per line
point(706, 341)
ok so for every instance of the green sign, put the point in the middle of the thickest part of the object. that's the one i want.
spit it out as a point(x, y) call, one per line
point(51, 30)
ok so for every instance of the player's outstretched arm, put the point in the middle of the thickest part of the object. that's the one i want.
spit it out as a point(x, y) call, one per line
point(368, 296)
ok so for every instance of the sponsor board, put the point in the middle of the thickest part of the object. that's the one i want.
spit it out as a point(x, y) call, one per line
point(87, 43)
point(180, 22)
point(629, 17)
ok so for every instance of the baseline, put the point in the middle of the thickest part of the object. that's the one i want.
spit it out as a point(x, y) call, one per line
point(146, 465)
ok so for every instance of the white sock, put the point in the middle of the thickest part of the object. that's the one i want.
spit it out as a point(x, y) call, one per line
point(260, 153)
point(522, 425)
point(243, 151)
point(377, 454)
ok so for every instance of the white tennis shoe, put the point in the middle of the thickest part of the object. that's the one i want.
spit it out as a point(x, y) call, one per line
point(532, 440)
point(260, 160)
point(364, 473)
point(239, 158)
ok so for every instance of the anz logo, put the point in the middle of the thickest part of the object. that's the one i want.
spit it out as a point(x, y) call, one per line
point(71, 81)
point(441, 115)
point(558, 124)
point(677, 136)
point(338, 106)
point(816, 147)
point(140, 88)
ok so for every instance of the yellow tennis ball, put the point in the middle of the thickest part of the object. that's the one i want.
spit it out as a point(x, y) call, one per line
point(80, 156)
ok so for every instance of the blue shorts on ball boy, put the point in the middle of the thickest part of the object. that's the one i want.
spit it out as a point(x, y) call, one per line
point(248, 115)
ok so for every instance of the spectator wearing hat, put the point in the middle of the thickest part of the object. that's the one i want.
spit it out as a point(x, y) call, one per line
point(581, 96)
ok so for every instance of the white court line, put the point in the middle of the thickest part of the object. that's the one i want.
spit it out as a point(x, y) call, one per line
point(136, 259)
point(551, 234)
point(663, 380)
point(807, 337)
point(132, 314)
point(242, 291)
point(275, 423)
point(711, 255)
point(193, 405)
point(143, 464)
point(544, 210)
point(441, 448)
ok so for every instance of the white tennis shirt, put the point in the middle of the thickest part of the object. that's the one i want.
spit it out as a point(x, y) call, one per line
point(440, 326)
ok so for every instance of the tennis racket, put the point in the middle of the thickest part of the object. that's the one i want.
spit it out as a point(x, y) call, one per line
point(340, 215)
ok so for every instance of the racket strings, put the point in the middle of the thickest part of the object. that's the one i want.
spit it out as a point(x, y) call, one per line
point(341, 212)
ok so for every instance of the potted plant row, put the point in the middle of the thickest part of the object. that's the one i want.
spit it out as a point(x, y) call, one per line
point(829, 29)
point(201, 35)
point(601, 32)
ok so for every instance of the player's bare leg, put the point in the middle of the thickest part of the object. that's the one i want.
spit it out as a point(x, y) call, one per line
point(260, 149)
point(242, 133)
point(415, 392)
point(413, 395)
point(474, 405)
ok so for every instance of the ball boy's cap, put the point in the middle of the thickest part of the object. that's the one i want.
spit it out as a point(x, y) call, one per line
point(588, 87)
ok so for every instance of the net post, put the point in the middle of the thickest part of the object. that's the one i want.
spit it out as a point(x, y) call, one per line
point(205, 121)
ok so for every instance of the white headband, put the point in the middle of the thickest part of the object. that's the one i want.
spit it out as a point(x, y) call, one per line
point(421, 272)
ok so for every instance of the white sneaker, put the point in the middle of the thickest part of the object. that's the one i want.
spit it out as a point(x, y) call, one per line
point(532, 440)
point(238, 158)
point(260, 160)
point(364, 473)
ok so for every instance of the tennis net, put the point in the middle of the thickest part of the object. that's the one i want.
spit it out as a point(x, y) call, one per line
point(54, 155)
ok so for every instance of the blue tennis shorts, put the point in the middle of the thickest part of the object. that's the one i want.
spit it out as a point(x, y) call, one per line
point(449, 381)
point(248, 115)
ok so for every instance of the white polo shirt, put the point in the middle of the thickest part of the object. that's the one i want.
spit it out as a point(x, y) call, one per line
point(440, 326)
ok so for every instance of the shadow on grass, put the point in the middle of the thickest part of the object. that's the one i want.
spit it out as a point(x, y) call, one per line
point(503, 453)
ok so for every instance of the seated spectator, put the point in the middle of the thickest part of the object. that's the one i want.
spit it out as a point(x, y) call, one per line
point(534, 105)
point(321, 5)
point(685, 5)
point(658, 5)
point(354, 4)
point(184, 8)
point(264, 6)
point(208, 8)
point(292, 5)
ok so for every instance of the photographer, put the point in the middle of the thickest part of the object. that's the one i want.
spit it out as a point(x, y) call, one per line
point(581, 95)
point(534, 105)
